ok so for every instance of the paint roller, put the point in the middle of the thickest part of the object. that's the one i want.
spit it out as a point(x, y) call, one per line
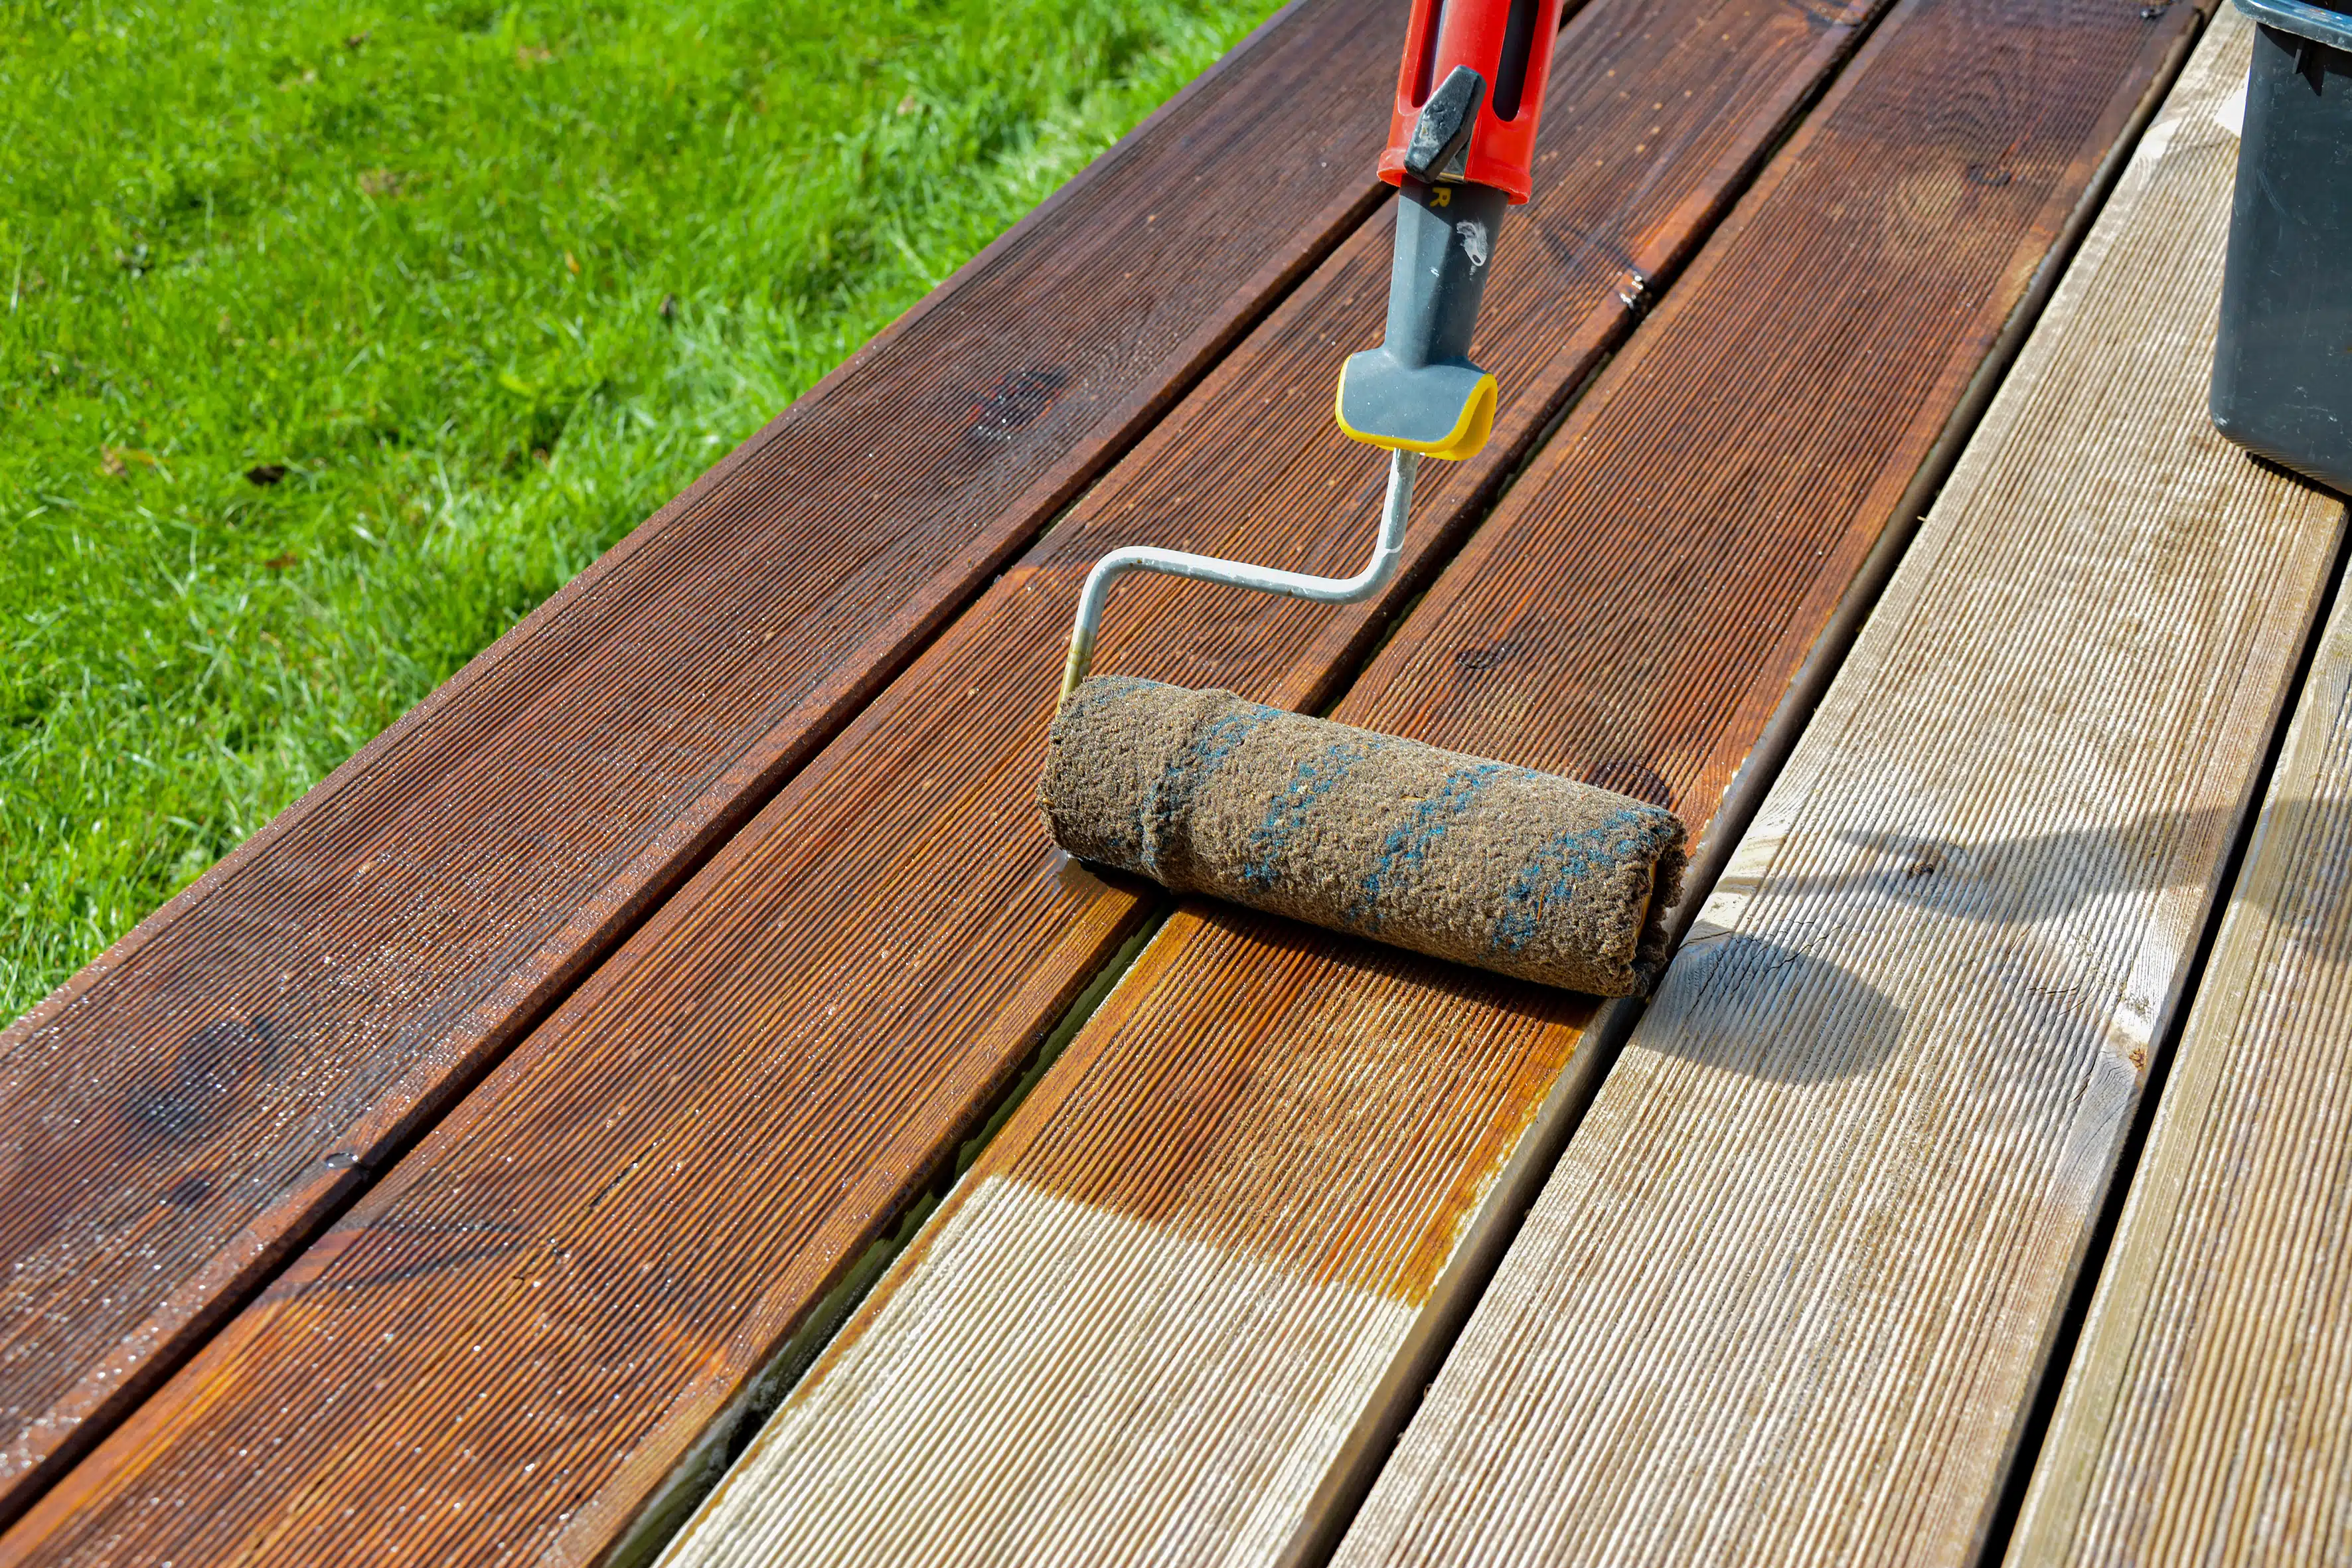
point(1464, 858)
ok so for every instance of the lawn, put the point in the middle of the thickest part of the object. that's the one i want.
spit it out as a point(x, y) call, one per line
point(336, 339)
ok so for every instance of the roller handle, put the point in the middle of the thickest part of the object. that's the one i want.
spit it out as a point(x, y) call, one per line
point(1461, 139)
point(1507, 44)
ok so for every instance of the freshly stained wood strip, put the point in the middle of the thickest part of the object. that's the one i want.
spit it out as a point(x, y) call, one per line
point(524, 1333)
point(1175, 1306)
point(1787, 1297)
point(190, 1108)
point(2207, 1416)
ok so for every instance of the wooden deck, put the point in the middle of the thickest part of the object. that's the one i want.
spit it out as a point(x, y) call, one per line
point(676, 1047)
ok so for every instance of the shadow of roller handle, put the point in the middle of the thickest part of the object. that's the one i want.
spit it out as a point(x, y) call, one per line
point(1387, 550)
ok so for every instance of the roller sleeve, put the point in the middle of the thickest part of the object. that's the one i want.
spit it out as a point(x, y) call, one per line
point(1456, 857)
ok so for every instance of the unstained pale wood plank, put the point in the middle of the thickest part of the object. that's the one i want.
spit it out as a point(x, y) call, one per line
point(552, 1314)
point(1174, 1307)
point(2207, 1414)
point(1787, 1297)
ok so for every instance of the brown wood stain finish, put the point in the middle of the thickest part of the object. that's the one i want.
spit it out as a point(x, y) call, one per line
point(185, 1111)
point(1251, 1066)
point(513, 1341)
point(1789, 1296)
point(1642, 603)
point(1636, 612)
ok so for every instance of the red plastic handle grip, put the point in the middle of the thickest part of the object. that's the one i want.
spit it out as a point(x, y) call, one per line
point(1507, 42)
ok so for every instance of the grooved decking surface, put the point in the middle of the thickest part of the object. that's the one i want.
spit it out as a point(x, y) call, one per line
point(1787, 1297)
point(1161, 1316)
point(593, 1256)
point(2207, 1414)
point(690, 930)
point(188, 1110)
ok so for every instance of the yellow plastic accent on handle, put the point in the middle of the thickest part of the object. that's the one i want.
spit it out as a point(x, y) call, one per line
point(1469, 432)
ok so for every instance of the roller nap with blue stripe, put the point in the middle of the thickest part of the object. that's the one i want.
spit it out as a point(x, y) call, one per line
point(1464, 859)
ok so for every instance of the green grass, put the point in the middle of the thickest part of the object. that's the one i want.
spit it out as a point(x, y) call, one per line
point(488, 285)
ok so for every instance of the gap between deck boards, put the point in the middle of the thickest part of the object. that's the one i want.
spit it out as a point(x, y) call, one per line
point(1969, 404)
point(1496, 1473)
point(2067, 1342)
point(2067, 1338)
point(1744, 168)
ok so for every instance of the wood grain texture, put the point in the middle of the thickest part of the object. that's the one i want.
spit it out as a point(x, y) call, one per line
point(2207, 1416)
point(180, 1116)
point(1788, 1296)
point(525, 1331)
point(1183, 1293)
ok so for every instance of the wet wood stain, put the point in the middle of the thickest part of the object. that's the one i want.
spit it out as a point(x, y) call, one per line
point(1265, 1132)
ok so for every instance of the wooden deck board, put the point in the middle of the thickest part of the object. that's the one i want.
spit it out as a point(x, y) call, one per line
point(1181, 1297)
point(190, 1109)
point(590, 1259)
point(2205, 1417)
point(1787, 1297)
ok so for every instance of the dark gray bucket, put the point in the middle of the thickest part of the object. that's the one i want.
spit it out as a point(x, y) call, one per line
point(2282, 368)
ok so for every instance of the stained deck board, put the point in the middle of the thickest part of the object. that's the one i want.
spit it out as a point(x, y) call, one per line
point(590, 1259)
point(188, 1110)
point(2206, 1414)
point(1172, 1309)
point(1788, 1295)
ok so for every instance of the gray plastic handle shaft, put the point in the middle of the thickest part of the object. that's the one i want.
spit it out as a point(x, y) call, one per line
point(1386, 552)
